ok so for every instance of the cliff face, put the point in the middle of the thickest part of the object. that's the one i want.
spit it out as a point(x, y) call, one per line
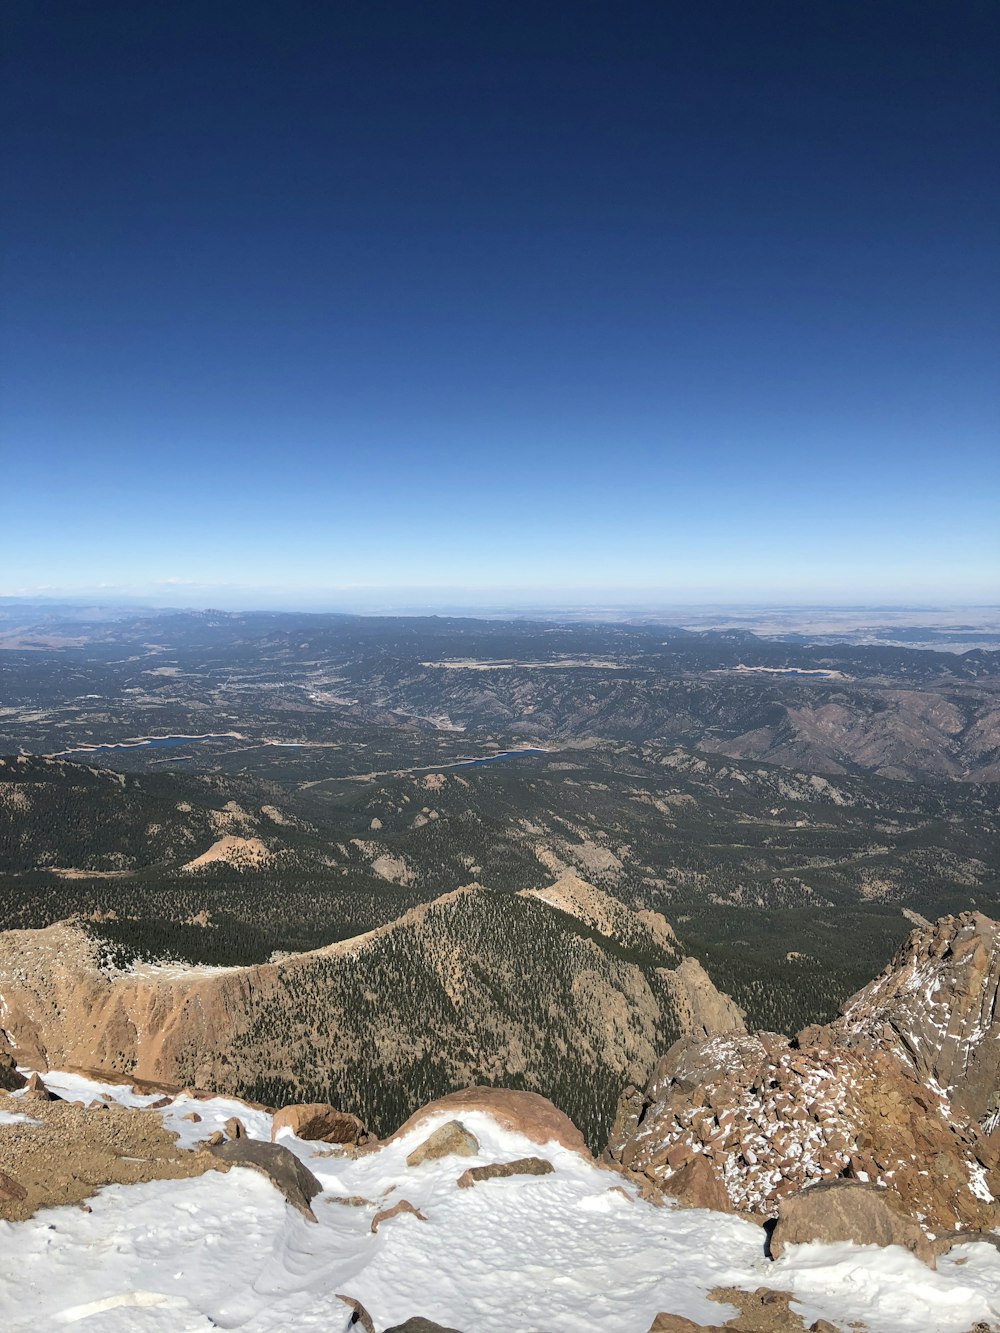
point(474, 987)
point(936, 1007)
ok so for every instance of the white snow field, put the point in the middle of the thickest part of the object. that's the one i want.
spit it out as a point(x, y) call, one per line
point(570, 1252)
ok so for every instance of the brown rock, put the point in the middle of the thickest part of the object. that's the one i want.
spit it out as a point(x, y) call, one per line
point(362, 1319)
point(36, 1088)
point(450, 1140)
point(522, 1166)
point(701, 1009)
point(10, 1190)
point(936, 1008)
point(524, 1113)
point(404, 1206)
point(698, 1185)
point(845, 1210)
point(11, 1077)
point(282, 1168)
point(417, 1324)
point(676, 1323)
point(318, 1121)
point(235, 1128)
point(947, 1243)
point(877, 1120)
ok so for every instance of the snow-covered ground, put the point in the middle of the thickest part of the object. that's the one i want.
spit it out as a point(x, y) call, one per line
point(569, 1252)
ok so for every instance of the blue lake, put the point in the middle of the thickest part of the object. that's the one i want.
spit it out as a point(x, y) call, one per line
point(148, 743)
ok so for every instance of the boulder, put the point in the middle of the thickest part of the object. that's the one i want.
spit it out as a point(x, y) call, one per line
point(36, 1089)
point(697, 1184)
point(846, 1210)
point(417, 1324)
point(450, 1140)
point(235, 1129)
point(282, 1168)
point(318, 1121)
point(522, 1166)
point(10, 1076)
point(524, 1113)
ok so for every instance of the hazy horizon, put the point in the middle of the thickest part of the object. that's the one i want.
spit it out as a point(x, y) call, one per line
point(613, 604)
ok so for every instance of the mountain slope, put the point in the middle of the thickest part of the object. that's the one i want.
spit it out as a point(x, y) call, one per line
point(473, 987)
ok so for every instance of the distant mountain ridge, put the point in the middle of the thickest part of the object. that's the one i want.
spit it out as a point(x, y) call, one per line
point(473, 987)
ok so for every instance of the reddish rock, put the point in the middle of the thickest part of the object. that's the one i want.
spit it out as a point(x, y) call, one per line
point(318, 1121)
point(524, 1113)
point(936, 1008)
point(36, 1088)
point(698, 1185)
point(842, 1210)
point(844, 1111)
point(676, 1323)
point(403, 1206)
point(522, 1166)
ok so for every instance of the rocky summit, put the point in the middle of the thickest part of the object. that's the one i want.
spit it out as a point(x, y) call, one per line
point(744, 1121)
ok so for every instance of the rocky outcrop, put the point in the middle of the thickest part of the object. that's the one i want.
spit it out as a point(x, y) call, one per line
point(846, 1210)
point(936, 1007)
point(701, 1009)
point(522, 1112)
point(768, 1117)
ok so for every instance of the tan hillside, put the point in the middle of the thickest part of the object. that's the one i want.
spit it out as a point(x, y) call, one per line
point(475, 987)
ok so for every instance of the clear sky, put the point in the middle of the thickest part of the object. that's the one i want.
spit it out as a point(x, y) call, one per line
point(305, 299)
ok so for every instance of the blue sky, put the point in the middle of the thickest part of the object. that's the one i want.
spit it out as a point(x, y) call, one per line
point(309, 304)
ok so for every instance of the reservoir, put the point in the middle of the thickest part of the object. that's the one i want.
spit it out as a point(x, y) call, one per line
point(150, 743)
